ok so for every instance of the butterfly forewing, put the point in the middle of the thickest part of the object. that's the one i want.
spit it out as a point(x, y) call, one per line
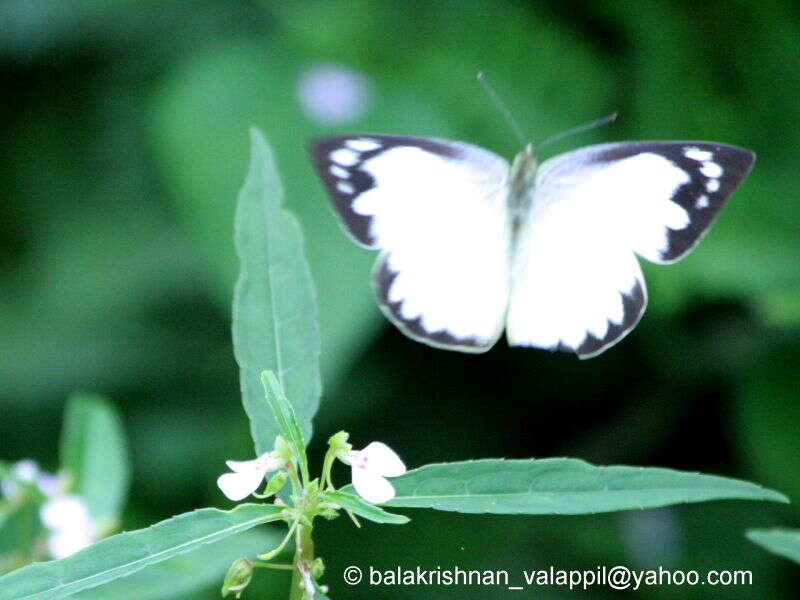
point(710, 173)
point(437, 210)
point(577, 285)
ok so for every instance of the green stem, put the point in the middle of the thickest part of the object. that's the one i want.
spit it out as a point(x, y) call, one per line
point(264, 565)
point(276, 551)
point(304, 557)
point(296, 486)
point(327, 465)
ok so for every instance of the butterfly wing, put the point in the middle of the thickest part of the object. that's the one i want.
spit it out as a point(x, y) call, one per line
point(577, 284)
point(437, 211)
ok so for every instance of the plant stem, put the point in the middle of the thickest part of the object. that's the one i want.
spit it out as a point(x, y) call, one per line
point(304, 556)
point(264, 565)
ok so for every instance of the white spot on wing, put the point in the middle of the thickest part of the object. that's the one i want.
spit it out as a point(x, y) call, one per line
point(344, 157)
point(339, 172)
point(363, 145)
point(711, 169)
point(712, 185)
point(345, 187)
point(701, 202)
point(695, 153)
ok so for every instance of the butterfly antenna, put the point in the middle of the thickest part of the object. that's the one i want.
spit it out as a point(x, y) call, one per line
point(579, 129)
point(503, 108)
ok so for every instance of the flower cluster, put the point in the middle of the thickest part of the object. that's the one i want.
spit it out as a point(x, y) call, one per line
point(370, 468)
point(65, 516)
point(308, 499)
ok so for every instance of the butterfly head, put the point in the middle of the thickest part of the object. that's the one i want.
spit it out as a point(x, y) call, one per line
point(523, 172)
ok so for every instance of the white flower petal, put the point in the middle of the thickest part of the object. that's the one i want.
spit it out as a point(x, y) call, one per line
point(26, 470)
point(243, 466)
point(263, 463)
point(238, 486)
point(61, 544)
point(381, 459)
point(371, 486)
point(67, 513)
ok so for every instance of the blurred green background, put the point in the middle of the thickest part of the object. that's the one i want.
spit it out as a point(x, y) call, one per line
point(124, 142)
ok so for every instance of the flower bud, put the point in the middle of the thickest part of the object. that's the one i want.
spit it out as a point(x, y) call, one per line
point(317, 568)
point(276, 483)
point(339, 446)
point(237, 578)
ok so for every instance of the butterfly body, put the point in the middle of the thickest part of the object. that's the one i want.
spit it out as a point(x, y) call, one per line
point(471, 246)
point(522, 180)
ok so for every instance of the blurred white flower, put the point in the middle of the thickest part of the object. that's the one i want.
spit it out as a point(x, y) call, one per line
point(371, 466)
point(332, 94)
point(70, 525)
point(247, 475)
point(25, 471)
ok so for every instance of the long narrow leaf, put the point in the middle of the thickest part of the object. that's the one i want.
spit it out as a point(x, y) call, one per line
point(560, 486)
point(275, 323)
point(181, 575)
point(127, 553)
point(783, 542)
point(285, 417)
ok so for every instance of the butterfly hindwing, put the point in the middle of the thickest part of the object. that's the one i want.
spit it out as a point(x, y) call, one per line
point(437, 211)
point(575, 288)
point(577, 285)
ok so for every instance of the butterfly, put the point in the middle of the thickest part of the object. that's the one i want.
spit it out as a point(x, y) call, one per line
point(470, 246)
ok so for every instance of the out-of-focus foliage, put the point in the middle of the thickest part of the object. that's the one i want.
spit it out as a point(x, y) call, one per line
point(125, 141)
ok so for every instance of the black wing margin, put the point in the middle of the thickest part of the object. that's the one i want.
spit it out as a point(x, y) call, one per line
point(346, 179)
point(715, 171)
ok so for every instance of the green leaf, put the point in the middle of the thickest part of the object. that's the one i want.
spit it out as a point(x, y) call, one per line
point(126, 553)
point(286, 418)
point(95, 454)
point(783, 542)
point(187, 573)
point(364, 509)
point(275, 325)
point(560, 486)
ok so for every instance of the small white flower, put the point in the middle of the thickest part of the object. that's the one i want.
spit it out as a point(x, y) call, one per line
point(247, 475)
point(26, 470)
point(371, 466)
point(70, 524)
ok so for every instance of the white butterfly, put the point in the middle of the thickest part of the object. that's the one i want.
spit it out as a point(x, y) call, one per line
point(470, 246)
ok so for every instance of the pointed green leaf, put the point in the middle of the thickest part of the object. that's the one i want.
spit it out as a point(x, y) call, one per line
point(275, 324)
point(783, 542)
point(285, 417)
point(126, 553)
point(94, 453)
point(560, 486)
point(364, 509)
point(181, 575)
